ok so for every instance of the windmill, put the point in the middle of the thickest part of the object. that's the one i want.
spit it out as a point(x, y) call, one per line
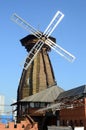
point(37, 83)
point(43, 38)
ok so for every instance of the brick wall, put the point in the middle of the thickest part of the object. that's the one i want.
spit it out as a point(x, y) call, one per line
point(23, 125)
point(75, 116)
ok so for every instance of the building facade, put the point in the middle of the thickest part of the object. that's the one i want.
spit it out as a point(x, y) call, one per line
point(29, 105)
point(73, 112)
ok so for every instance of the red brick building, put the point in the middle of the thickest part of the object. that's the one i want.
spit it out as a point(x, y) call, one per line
point(73, 112)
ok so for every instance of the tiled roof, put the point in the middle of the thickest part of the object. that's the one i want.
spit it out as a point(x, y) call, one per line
point(73, 93)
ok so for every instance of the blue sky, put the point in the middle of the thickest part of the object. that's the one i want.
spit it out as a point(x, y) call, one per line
point(70, 34)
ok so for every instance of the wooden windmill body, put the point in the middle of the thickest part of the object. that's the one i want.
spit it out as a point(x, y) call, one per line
point(39, 74)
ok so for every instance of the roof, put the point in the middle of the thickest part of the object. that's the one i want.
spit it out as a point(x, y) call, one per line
point(73, 93)
point(47, 95)
point(30, 40)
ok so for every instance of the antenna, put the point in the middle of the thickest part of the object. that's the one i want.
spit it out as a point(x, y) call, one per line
point(43, 38)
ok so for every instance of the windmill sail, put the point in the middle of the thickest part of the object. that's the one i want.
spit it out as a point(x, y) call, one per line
point(43, 37)
point(61, 51)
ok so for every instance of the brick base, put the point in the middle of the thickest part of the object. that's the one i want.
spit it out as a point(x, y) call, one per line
point(23, 125)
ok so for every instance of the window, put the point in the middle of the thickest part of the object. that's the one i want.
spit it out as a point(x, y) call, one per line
point(81, 123)
point(75, 122)
point(42, 104)
point(32, 104)
point(37, 104)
